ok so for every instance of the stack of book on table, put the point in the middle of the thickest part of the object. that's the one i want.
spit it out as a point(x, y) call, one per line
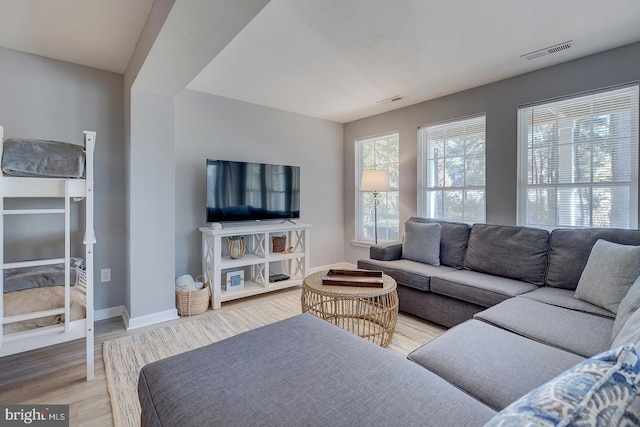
point(364, 278)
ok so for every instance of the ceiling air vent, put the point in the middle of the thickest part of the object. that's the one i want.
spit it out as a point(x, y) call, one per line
point(548, 50)
point(392, 99)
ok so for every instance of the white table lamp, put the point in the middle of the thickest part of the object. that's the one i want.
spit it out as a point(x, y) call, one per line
point(375, 181)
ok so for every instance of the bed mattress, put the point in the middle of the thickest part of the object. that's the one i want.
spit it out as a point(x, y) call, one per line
point(37, 158)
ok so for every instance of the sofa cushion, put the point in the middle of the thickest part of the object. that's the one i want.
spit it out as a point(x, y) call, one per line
point(435, 308)
point(629, 305)
point(601, 391)
point(406, 272)
point(515, 252)
point(569, 251)
point(478, 288)
point(610, 271)
point(580, 333)
point(453, 240)
point(565, 298)
point(422, 242)
point(483, 361)
point(299, 371)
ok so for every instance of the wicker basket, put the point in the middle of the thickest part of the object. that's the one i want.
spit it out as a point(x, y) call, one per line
point(279, 243)
point(190, 303)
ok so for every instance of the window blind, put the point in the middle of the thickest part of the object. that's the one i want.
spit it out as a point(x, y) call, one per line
point(451, 170)
point(579, 161)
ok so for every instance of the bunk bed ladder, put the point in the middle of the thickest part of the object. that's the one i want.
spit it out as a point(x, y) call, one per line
point(89, 241)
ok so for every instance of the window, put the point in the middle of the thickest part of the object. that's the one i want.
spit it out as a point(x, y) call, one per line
point(451, 170)
point(578, 161)
point(379, 152)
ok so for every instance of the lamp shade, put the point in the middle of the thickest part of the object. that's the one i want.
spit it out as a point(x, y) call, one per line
point(374, 180)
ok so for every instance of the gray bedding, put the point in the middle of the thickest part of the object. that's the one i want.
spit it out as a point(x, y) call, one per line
point(18, 279)
point(32, 158)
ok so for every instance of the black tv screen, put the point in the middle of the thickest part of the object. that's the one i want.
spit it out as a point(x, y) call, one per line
point(243, 191)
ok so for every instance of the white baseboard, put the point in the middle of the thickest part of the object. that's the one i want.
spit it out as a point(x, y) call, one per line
point(149, 319)
point(163, 316)
point(108, 313)
point(336, 265)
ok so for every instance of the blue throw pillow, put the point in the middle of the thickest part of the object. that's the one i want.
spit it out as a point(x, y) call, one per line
point(601, 391)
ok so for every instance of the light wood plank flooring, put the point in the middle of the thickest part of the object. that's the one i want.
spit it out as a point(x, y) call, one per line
point(56, 375)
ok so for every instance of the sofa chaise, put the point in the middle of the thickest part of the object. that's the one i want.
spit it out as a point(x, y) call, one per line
point(533, 315)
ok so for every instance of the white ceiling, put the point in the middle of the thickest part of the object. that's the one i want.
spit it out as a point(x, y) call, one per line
point(96, 33)
point(334, 59)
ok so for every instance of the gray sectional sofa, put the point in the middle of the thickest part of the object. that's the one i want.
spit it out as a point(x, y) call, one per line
point(483, 265)
point(520, 339)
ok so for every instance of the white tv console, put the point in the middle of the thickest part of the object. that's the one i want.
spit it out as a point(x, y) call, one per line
point(258, 261)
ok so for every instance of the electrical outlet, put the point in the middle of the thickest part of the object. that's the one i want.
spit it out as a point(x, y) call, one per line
point(105, 275)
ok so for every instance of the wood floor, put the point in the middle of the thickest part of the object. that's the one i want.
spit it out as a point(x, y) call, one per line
point(56, 375)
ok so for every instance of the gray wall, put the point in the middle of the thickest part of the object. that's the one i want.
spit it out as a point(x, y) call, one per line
point(208, 126)
point(500, 101)
point(152, 204)
point(49, 99)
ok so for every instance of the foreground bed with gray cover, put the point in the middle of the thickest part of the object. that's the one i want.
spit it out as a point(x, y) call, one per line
point(302, 371)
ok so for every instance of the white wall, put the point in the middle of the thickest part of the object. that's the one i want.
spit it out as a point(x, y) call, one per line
point(151, 203)
point(208, 126)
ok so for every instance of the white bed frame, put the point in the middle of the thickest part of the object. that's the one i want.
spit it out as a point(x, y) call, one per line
point(56, 188)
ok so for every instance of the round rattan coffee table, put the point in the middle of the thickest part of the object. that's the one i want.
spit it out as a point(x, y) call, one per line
point(371, 313)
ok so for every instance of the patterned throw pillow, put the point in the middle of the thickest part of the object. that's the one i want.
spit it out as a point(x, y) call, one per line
point(601, 391)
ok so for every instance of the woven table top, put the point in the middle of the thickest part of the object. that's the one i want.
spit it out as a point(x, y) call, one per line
point(314, 283)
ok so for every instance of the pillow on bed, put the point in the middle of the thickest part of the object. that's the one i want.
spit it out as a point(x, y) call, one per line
point(18, 279)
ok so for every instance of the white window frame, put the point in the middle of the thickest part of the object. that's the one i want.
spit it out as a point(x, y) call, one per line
point(566, 183)
point(386, 200)
point(429, 186)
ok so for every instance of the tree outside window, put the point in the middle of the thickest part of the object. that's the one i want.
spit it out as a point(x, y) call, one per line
point(378, 152)
point(451, 168)
point(579, 161)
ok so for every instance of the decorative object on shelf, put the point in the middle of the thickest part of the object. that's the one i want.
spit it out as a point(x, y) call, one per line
point(236, 246)
point(258, 261)
point(375, 181)
point(235, 280)
point(190, 303)
point(278, 243)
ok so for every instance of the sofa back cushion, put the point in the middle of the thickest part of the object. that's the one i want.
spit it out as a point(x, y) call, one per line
point(503, 250)
point(453, 240)
point(569, 250)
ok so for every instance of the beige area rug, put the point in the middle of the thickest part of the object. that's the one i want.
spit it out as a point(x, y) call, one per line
point(124, 357)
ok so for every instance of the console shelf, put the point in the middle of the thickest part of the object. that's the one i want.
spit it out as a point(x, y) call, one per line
point(257, 262)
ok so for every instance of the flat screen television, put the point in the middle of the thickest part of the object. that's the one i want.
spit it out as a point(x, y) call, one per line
point(244, 191)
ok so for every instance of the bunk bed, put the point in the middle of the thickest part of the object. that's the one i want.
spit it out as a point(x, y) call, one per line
point(48, 301)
